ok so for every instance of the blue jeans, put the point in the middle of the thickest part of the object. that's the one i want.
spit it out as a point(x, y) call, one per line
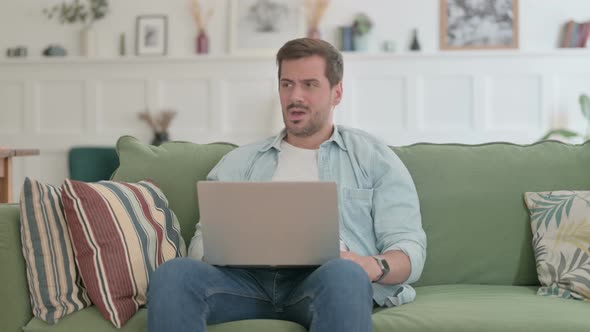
point(187, 295)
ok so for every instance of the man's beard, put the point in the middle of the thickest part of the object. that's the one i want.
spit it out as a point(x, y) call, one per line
point(311, 128)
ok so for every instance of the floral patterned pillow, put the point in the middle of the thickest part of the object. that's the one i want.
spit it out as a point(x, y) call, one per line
point(560, 221)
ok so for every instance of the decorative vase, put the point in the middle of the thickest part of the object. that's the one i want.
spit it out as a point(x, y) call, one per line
point(160, 138)
point(415, 45)
point(314, 32)
point(360, 42)
point(88, 42)
point(202, 42)
point(346, 38)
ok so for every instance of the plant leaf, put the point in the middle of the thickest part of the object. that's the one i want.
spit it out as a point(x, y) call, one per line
point(575, 258)
point(585, 106)
point(552, 273)
point(561, 132)
point(548, 206)
point(561, 268)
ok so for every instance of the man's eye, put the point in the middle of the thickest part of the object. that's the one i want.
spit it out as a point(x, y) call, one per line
point(286, 84)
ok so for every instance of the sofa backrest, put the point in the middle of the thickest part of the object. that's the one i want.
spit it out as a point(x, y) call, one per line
point(473, 210)
point(471, 198)
point(175, 167)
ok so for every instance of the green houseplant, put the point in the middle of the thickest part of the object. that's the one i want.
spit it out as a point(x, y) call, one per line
point(85, 12)
point(568, 134)
point(361, 27)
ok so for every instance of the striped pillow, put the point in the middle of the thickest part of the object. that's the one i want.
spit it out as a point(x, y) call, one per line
point(121, 233)
point(55, 286)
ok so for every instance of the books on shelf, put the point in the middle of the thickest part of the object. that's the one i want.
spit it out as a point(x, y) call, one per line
point(576, 34)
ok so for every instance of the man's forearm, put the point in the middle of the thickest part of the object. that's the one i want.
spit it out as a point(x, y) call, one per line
point(400, 267)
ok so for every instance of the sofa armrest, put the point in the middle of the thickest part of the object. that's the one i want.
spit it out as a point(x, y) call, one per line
point(15, 306)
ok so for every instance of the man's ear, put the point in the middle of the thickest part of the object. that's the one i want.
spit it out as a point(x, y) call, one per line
point(337, 95)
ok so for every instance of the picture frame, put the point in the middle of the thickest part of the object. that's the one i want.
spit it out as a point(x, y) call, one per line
point(151, 35)
point(479, 25)
point(263, 26)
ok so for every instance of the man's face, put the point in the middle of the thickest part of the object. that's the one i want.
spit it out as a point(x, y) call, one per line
point(307, 100)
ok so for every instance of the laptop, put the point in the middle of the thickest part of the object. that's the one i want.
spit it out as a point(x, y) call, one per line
point(269, 224)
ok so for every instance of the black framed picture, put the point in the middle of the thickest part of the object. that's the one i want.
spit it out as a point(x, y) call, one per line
point(151, 35)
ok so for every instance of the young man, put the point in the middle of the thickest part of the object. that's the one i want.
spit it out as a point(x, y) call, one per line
point(382, 241)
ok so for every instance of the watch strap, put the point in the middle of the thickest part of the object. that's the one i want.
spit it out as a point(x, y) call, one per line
point(383, 265)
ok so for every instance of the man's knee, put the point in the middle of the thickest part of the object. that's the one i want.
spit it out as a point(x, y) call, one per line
point(344, 282)
point(343, 277)
point(176, 274)
point(346, 271)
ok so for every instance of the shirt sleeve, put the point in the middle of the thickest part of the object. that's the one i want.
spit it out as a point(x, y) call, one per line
point(195, 249)
point(396, 211)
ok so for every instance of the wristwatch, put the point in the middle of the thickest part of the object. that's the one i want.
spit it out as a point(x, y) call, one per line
point(382, 262)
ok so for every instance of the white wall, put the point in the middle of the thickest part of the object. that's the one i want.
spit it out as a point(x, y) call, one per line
point(467, 97)
point(22, 23)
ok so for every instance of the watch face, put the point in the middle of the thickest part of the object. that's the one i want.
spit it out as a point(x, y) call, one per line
point(382, 264)
point(385, 264)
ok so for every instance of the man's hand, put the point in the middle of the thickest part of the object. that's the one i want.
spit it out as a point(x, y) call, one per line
point(368, 263)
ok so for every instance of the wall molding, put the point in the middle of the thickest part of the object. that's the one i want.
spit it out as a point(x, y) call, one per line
point(467, 97)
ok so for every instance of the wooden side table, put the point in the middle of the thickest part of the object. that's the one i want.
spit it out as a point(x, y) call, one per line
point(6, 156)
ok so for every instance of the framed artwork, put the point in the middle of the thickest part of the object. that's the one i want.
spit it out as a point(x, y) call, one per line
point(151, 35)
point(263, 26)
point(478, 24)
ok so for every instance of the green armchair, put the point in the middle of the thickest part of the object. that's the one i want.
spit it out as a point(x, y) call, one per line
point(92, 163)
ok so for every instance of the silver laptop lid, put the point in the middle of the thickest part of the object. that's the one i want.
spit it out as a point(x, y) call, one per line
point(269, 223)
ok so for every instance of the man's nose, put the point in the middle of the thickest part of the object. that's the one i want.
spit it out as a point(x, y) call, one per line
point(296, 94)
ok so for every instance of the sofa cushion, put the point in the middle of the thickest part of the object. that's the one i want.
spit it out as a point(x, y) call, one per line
point(55, 285)
point(472, 209)
point(90, 320)
point(437, 308)
point(121, 233)
point(16, 312)
point(561, 239)
point(175, 167)
point(484, 309)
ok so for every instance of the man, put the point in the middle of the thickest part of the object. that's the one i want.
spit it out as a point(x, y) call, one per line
point(382, 241)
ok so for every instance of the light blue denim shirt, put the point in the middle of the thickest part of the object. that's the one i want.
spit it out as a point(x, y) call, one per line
point(379, 208)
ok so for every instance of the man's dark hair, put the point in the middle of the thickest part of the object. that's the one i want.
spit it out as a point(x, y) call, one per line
point(306, 47)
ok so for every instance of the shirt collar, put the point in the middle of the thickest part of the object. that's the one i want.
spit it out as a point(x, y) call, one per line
point(276, 141)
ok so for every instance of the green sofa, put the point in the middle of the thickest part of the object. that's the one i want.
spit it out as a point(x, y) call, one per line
point(480, 271)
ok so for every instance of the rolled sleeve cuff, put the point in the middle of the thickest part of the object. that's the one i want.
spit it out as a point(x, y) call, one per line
point(417, 255)
point(195, 249)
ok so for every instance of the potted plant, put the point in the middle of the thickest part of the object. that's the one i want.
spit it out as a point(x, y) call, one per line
point(361, 27)
point(160, 124)
point(85, 12)
point(570, 135)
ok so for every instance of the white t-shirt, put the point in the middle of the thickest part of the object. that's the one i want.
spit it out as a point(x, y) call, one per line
point(296, 164)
